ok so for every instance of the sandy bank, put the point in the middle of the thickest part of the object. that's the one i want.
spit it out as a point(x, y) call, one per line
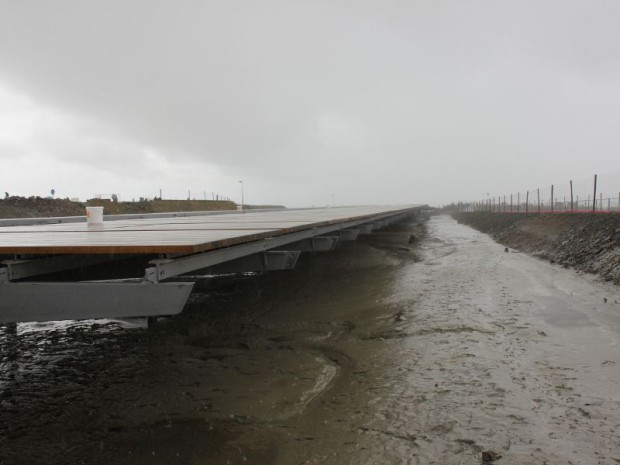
point(584, 241)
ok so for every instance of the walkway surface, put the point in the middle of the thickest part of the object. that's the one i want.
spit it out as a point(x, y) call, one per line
point(186, 234)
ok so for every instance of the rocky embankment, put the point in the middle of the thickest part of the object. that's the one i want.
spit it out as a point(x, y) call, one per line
point(588, 242)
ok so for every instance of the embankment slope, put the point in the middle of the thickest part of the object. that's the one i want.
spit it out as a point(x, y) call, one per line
point(36, 207)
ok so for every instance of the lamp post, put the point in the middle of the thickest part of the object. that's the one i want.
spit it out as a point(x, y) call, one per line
point(241, 182)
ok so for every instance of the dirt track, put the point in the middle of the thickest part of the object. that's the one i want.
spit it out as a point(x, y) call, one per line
point(368, 356)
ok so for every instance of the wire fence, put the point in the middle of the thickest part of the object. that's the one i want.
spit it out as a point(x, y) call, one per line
point(596, 194)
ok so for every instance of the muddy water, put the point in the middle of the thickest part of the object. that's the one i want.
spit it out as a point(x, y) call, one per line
point(379, 352)
point(278, 368)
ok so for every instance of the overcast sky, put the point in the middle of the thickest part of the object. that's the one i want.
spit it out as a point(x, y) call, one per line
point(307, 102)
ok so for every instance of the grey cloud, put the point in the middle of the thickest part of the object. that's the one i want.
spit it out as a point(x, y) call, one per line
point(349, 96)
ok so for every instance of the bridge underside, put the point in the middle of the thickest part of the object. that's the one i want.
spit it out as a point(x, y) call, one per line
point(44, 287)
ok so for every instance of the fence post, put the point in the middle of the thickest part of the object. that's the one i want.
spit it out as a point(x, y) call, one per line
point(518, 201)
point(538, 195)
point(510, 203)
point(552, 198)
point(571, 196)
point(527, 202)
point(594, 198)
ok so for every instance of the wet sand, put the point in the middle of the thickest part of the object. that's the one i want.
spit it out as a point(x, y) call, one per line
point(501, 352)
point(380, 352)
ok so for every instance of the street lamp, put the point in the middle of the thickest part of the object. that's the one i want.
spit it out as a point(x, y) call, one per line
point(241, 182)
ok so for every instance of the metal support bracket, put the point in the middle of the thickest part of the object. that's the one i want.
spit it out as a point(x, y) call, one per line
point(281, 259)
point(347, 235)
point(273, 260)
point(366, 228)
point(324, 243)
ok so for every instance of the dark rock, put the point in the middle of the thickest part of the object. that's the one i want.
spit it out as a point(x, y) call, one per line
point(489, 456)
